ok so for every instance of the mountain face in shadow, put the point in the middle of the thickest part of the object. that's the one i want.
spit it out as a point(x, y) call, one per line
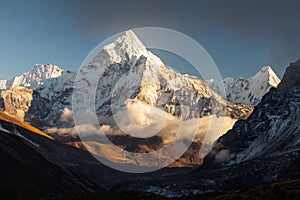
point(271, 132)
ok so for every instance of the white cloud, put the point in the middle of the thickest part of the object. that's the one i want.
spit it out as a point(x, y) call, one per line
point(222, 156)
point(67, 115)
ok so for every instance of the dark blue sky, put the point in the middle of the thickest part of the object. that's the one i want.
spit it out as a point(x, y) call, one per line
point(241, 36)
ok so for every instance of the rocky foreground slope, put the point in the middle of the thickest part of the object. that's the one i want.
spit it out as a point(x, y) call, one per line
point(26, 172)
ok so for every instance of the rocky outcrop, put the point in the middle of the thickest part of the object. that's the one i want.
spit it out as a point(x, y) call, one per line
point(291, 77)
point(17, 101)
point(1, 102)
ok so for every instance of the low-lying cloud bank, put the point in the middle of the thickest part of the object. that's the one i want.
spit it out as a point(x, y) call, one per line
point(141, 120)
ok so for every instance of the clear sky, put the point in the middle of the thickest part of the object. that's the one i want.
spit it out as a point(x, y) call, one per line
point(241, 36)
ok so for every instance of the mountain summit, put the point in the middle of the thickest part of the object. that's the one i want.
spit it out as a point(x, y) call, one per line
point(126, 44)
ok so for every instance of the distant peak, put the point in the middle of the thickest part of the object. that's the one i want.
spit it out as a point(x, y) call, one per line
point(33, 78)
point(267, 73)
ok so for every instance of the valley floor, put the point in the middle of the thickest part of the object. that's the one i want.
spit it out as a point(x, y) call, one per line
point(277, 190)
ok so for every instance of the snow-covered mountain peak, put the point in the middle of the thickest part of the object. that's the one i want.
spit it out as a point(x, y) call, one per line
point(125, 50)
point(266, 73)
point(48, 70)
point(127, 43)
point(247, 90)
point(36, 77)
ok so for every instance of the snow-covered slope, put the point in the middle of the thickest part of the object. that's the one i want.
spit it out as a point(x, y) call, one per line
point(34, 78)
point(247, 90)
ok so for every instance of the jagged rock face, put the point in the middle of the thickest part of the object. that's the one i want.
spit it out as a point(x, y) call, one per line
point(56, 95)
point(3, 84)
point(27, 105)
point(17, 101)
point(271, 131)
point(291, 77)
point(247, 90)
point(2, 107)
point(38, 113)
